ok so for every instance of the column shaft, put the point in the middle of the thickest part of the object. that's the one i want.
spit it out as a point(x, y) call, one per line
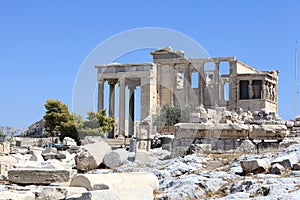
point(100, 94)
point(216, 83)
point(187, 83)
point(201, 83)
point(111, 99)
point(131, 111)
point(222, 97)
point(112, 105)
point(122, 108)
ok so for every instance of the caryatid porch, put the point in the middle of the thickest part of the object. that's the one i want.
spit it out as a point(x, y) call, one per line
point(131, 76)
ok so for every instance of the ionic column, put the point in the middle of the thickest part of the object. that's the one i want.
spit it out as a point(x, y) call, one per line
point(131, 110)
point(201, 83)
point(222, 98)
point(112, 97)
point(187, 83)
point(263, 93)
point(216, 83)
point(100, 94)
point(122, 107)
point(250, 90)
point(111, 103)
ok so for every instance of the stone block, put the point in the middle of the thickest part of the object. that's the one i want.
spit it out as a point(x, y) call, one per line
point(142, 156)
point(247, 147)
point(92, 156)
point(58, 156)
point(67, 141)
point(167, 147)
point(277, 169)
point(115, 158)
point(50, 193)
point(5, 147)
point(38, 176)
point(286, 161)
point(201, 148)
point(20, 195)
point(297, 124)
point(36, 156)
point(255, 166)
point(296, 167)
point(289, 123)
point(195, 120)
point(106, 181)
point(297, 118)
point(95, 195)
point(6, 163)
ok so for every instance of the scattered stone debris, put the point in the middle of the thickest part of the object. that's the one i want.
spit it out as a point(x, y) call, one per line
point(214, 169)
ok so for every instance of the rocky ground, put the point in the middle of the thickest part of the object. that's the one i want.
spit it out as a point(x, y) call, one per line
point(81, 173)
point(220, 176)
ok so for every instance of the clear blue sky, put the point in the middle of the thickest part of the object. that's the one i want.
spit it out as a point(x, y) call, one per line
point(43, 43)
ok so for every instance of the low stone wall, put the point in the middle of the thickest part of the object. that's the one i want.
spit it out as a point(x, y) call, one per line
point(225, 137)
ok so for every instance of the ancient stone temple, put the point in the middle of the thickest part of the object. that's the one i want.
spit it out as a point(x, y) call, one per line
point(176, 80)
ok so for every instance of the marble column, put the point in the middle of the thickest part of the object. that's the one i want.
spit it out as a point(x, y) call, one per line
point(122, 107)
point(131, 110)
point(263, 93)
point(222, 96)
point(216, 83)
point(187, 83)
point(250, 90)
point(111, 102)
point(201, 83)
point(100, 94)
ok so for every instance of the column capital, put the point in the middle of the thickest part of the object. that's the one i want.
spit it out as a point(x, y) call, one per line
point(217, 62)
point(112, 81)
point(101, 80)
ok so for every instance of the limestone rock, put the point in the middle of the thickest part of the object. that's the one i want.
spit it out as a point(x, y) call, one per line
point(247, 147)
point(115, 158)
point(296, 167)
point(297, 118)
point(9, 160)
point(50, 193)
point(36, 156)
point(200, 148)
point(38, 176)
point(143, 156)
point(20, 195)
point(5, 147)
point(286, 161)
point(6, 163)
point(67, 141)
point(276, 169)
point(92, 156)
point(289, 123)
point(49, 150)
point(106, 181)
point(255, 166)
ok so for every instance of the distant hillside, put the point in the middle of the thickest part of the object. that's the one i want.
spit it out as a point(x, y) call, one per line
point(35, 129)
point(10, 131)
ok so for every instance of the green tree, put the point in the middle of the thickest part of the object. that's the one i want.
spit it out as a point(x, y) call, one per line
point(96, 123)
point(106, 123)
point(59, 119)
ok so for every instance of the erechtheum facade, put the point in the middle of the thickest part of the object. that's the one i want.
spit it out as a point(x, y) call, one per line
point(176, 80)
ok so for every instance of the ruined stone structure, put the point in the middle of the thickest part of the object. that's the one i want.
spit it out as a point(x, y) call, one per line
point(168, 80)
